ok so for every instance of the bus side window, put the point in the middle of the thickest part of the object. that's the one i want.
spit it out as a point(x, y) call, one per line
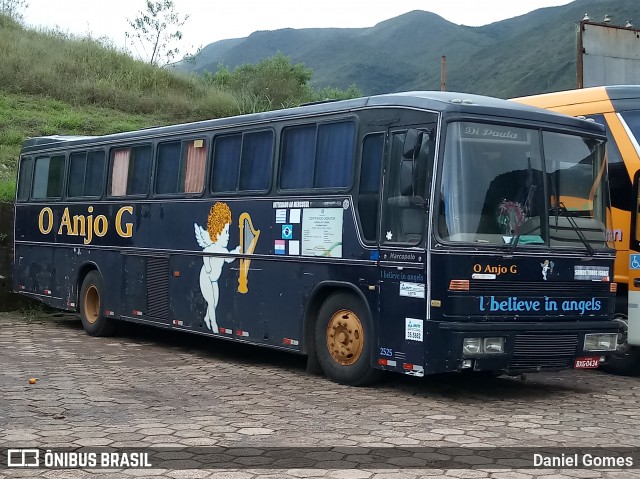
point(242, 162)
point(318, 156)
point(48, 177)
point(180, 166)
point(130, 169)
point(369, 191)
point(24, 181)
point(86, 174)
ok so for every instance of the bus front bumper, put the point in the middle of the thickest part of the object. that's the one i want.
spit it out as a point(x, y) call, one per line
point(516, 348)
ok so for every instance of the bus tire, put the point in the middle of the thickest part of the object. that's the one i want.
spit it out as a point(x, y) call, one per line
point(344, 340)
point(94, 321)
point(625, 361)
point(624, 364)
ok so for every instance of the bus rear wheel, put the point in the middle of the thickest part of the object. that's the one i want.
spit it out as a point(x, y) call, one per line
point(343, 336)
point(94, 321)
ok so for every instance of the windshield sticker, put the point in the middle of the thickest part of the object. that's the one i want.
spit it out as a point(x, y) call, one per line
point(547, 268)
point(591, 273)
point(512, 304)
point(413, 329)
point(411, 290)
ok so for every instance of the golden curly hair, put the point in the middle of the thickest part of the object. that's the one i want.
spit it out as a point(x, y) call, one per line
point(219, 216)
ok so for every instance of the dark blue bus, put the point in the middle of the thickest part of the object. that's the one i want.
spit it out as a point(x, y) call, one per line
point(418, 232)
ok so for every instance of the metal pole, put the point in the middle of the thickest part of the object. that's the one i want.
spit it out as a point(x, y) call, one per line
point(443, 73)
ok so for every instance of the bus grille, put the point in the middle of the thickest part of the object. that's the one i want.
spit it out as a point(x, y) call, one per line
point(546, 351)
point(158, 287)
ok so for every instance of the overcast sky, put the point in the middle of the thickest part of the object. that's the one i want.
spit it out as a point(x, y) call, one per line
point(213, 20)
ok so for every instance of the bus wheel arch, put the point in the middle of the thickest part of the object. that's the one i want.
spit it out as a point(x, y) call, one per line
point(90, 302)
point(341, 325)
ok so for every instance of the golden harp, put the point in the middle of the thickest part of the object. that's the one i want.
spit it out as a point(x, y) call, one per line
point(248, 240)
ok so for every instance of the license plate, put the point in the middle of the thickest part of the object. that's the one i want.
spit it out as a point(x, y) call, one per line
point(586, 363)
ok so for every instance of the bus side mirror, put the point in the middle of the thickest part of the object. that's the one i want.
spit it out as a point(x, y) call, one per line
point(412, 143)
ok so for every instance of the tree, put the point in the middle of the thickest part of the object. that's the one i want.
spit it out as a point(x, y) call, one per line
point(153, 31)
point(13, 8)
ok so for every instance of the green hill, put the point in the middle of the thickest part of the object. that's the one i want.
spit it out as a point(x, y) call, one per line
point(525, 55)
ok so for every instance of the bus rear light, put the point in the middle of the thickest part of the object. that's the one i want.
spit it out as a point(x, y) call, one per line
point(387, 362)
point(290, 342)
point(137, 312)
point(177, 322)
point(108, 312)
point(459, 285)
point(226, 331)
point(613, 287)
point(176, 274)
point(244, 334)
point(407, 367)
point(47, 291)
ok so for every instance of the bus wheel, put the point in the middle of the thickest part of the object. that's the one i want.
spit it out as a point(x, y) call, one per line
point(93, 320)
point(344, 335)
point(625, 361)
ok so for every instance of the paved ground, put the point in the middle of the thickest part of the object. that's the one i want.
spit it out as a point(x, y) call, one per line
point(149, 387)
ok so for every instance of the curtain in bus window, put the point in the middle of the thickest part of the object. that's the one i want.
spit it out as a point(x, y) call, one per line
point(139, 177)
point(226, 163)
point(94, 176)
point(120, 171)
point(257, 153)
point(194, 173)
point(168, 167)
point(334, 157)
point(298, 157)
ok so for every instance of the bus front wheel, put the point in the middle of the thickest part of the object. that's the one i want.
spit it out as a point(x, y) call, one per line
point(625, 361)
point(94, 321)
point(344, 336)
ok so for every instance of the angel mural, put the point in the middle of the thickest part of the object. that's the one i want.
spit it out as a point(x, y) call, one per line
point(214, 240)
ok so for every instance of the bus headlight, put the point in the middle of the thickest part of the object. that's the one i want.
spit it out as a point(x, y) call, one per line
point(600, 341)
point(493, 345)
point(472, 346)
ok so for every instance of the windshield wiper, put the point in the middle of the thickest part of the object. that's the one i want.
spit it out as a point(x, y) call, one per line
point(560, 207)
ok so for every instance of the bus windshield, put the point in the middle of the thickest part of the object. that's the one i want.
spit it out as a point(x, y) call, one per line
point(515, 186)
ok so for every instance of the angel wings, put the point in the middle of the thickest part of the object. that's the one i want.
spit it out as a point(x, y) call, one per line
point(202, 236)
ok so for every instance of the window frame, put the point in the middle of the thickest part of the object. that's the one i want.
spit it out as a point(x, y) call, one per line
point(242, 133)
point(317, 123)
point(86, 152)
point(111, 149)
point(206, 138)
point(65, 157)
point(29, 180)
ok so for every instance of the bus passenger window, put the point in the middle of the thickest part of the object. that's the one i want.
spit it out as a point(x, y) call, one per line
point(130, 170)
point(334, 155)
point(226, 163)
point(48, 177)
point(24, 181)
point(318, 156)
point(298, 154)
point(257, 154)
point(180, 167)
point(86, 173)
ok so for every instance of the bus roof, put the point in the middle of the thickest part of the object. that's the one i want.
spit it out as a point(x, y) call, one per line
point(622, 98)
point(449, 102)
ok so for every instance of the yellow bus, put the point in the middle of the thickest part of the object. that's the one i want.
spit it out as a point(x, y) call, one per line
point(618, 109)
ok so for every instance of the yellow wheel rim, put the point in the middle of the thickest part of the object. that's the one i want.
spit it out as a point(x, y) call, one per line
point(345, 337)
point(92, 304)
